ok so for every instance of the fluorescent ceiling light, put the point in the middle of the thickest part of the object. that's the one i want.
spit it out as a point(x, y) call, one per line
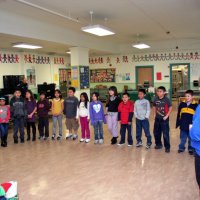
point(141, 46)
point(26, 46)
point(69, 52)
point(97, 30)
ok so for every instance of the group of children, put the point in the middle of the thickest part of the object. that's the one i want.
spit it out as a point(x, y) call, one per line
point(23, 112)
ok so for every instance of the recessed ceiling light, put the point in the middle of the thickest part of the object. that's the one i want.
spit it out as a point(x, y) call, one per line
point(98, 30)
point(26, 46)
point(141, 46)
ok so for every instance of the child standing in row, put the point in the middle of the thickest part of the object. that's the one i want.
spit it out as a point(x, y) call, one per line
point(125, 116)
point(70, 111)
point(57, 110)
point(31, 107)
point(142, 113)
point(162, 109)
point(18, 113)
point(195, 142)
point(185, 114)
point(112, 113)
point(97, 118)
point(43, 107)
point(84, 115)
point(4, 120)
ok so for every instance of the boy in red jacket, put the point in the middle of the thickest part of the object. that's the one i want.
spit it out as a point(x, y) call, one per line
point(125, 116)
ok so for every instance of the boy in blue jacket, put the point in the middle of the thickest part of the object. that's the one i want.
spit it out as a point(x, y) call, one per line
point(195, 142)
point(185, 114)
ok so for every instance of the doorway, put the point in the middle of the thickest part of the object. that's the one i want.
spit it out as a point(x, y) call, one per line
point(179, 79)
point(144, 76)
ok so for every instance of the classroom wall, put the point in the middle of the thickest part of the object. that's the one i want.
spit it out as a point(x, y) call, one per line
point(48, 72)
point(161, 62)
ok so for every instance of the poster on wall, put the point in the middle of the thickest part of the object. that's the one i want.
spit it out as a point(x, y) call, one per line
point(31, 77)
point(159, 76)
point(102, 75)
point(84, 77)
point(74, 77)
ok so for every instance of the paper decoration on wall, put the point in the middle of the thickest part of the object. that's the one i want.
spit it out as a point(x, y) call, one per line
point(9, 58)
point(125, 59)
point(102, 75)
point(84, 77)
point(186, 56)
point(59, 60)
point(35, 59)
point(98, 60)
point(166, 57)
point(31, 77)
point(108, 60)
point(158, 76)
point(117, 60)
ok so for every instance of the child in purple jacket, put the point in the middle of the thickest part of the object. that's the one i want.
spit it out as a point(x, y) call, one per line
point(31, 107)
point(97, 117)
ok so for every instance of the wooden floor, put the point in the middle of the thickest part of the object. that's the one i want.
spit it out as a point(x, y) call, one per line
point(49, 170)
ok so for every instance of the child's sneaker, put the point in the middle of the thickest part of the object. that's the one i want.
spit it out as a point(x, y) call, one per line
point(53, 137)
point(87, 140)
point(191, 152)
point(167, 150)
point(139, 144)
point(41, 137)
point(59, 137)
point(75, 136)
point(158, 147)
point(82, 140)
point(69, 136)
point(121, 144)
point(130, 145)
point(46, 138)
point(148, 146)
point(96, 141)
point(180, 151)
point(101, 141)
point(15, 141)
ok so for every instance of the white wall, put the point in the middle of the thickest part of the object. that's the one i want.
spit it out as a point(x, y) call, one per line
point(44, 72)
point(159, 66)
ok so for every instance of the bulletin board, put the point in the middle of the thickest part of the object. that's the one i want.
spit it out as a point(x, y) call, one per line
point(102, 75)
point(84, 77)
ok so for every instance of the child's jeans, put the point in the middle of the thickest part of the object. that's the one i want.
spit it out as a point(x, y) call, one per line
point(58, 119)
point(161, 126)
point(43, 123)
point(98, 130)
point(4, 130)
point(197, 168)
point(123, 133)
point(18, 126)
point(143, 124)
point(112, 121)
point(183, 136)
point(85, 127)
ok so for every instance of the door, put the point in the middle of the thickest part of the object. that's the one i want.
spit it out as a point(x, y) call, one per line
point(144, 76)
